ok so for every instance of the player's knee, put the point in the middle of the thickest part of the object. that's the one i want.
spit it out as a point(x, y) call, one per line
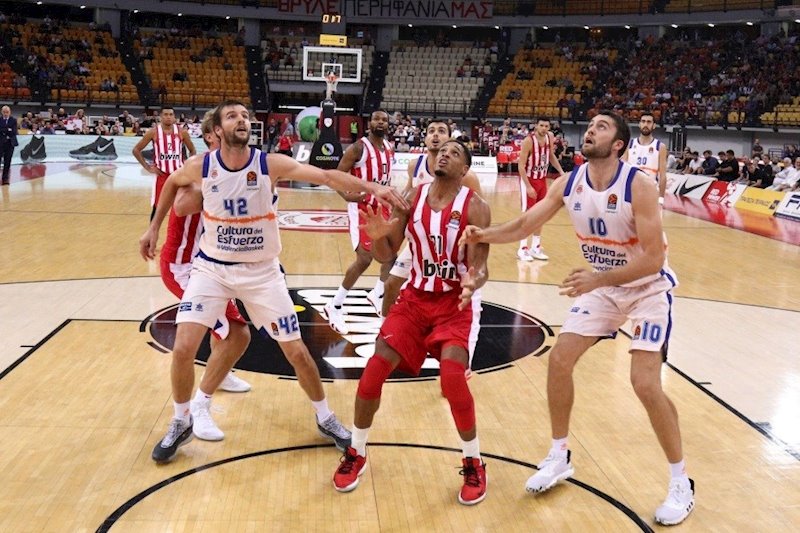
point(375, 374)
point(240, 334)
point(646, 389)
point(456, 390)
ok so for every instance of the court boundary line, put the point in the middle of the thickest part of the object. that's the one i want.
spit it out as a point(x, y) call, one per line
point(115, 516)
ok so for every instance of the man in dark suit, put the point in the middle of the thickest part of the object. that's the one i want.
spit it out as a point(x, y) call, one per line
point(8, 140)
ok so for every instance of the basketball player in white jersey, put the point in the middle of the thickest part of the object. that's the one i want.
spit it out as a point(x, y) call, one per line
point(614, 209)
point(420, 172)
point(238, 258)
point(168, 141)
point(232, 335)
point(369, 159)
point(649, 154)
point(433, 314)
point(535, 157)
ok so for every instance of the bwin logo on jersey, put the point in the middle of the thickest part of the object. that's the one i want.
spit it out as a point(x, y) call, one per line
point(169, 157)
point(445, 270)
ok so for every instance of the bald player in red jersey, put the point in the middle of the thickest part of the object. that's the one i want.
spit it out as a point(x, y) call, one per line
point(168, 141)
point(232, 335)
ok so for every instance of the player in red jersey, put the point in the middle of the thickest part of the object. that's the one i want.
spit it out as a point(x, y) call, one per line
point(168, 142)
point(231, 337)
point(371, 160)
point(536, 155)
point(433, 313)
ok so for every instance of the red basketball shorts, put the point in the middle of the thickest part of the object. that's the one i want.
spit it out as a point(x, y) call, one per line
point(423, 323)
point(539, 185)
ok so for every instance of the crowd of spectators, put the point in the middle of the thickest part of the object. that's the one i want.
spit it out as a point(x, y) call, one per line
point(694, 81)
point(55, 122)
point(781, 173)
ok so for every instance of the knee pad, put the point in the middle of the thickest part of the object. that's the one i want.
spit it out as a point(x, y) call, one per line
point(375, 374)
point(455, 389)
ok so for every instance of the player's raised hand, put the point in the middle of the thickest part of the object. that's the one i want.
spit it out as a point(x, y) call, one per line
point(471, 235)
point(579, 281)
point(375, 225)
point(389, 196)
point(147, 244)
point(468, 284)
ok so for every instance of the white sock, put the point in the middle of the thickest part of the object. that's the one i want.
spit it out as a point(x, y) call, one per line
point(523, 244)
point(182, 411)
point(379, 288)
point(678, 470)
point(359, 440)
point(536, 241)
point(471, 448)
point(201, 396)
point(322, 409)
point(341, 294)
point(559, 447)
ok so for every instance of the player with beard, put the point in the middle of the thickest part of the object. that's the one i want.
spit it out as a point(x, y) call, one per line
point(649, 154)
point(238, 258)
point(369, 159)
point(420, 173)
point(617, 220)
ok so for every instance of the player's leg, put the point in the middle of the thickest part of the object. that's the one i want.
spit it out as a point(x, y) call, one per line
point(266, 298)
point(536, 252)
point(376, 295)
point(651, 319)
point(334, 310)
point(204, 299)
point(526, 202)
point(593, 316)
point(368, 400)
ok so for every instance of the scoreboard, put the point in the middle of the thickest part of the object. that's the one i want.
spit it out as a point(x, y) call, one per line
point(333, 30)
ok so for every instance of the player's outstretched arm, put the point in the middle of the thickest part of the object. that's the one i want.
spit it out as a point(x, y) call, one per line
point(385, 234)
point(523, 225)
point(285, 168)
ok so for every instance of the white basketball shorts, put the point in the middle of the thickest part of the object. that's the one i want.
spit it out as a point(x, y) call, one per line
point(260, 286)
point(603, 311)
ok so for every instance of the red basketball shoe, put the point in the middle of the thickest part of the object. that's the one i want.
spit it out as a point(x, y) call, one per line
point(351, 467)
point(474, 489)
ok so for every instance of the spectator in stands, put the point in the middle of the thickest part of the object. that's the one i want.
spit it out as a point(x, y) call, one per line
point(285, 143)
point(757, 149)
point(728, 169)
point(788, 178)
point(753, 174)
point(695, 164)
point(710, 164)
point(287, 129)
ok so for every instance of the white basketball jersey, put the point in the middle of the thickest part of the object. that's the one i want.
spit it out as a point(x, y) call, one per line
point(421, 175)
point(604, 222)
point(240, 222)
point(645, 156)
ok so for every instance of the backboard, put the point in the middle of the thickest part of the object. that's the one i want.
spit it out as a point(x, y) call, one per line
point(319, 61)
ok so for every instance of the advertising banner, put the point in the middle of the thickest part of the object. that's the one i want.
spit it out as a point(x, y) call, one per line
point(789, 206)
point(759, 200)
point(724, 193)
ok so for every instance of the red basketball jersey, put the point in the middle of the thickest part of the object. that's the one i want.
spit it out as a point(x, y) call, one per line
point(183, 238)
point(437, 261)
point(539, 158)
point(374, 165)
point(168, 149)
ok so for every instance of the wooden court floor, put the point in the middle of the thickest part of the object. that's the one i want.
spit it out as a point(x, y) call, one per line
point(84, 395)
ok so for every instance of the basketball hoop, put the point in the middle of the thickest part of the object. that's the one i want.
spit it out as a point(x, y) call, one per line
point(331, 81)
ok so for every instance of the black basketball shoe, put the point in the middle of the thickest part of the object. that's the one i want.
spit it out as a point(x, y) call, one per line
point(34, 151)
point(100, 150)
point(178, 434)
